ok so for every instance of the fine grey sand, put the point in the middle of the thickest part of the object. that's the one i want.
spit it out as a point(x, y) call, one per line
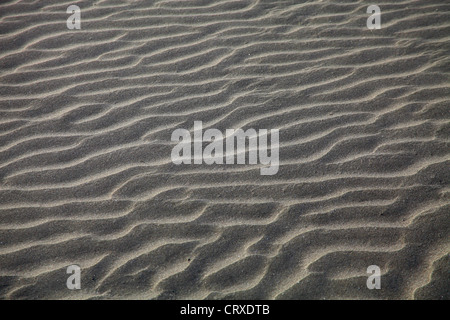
point(86, 175)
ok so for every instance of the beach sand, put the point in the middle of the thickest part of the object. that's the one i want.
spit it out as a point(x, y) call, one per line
point(86, 176)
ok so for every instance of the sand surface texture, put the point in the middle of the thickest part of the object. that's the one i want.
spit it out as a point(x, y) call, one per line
point(86, 175)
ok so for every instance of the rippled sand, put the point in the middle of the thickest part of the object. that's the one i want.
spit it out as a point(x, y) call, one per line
point(86, 177)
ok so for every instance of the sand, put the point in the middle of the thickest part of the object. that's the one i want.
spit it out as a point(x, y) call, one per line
point(86, 176)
